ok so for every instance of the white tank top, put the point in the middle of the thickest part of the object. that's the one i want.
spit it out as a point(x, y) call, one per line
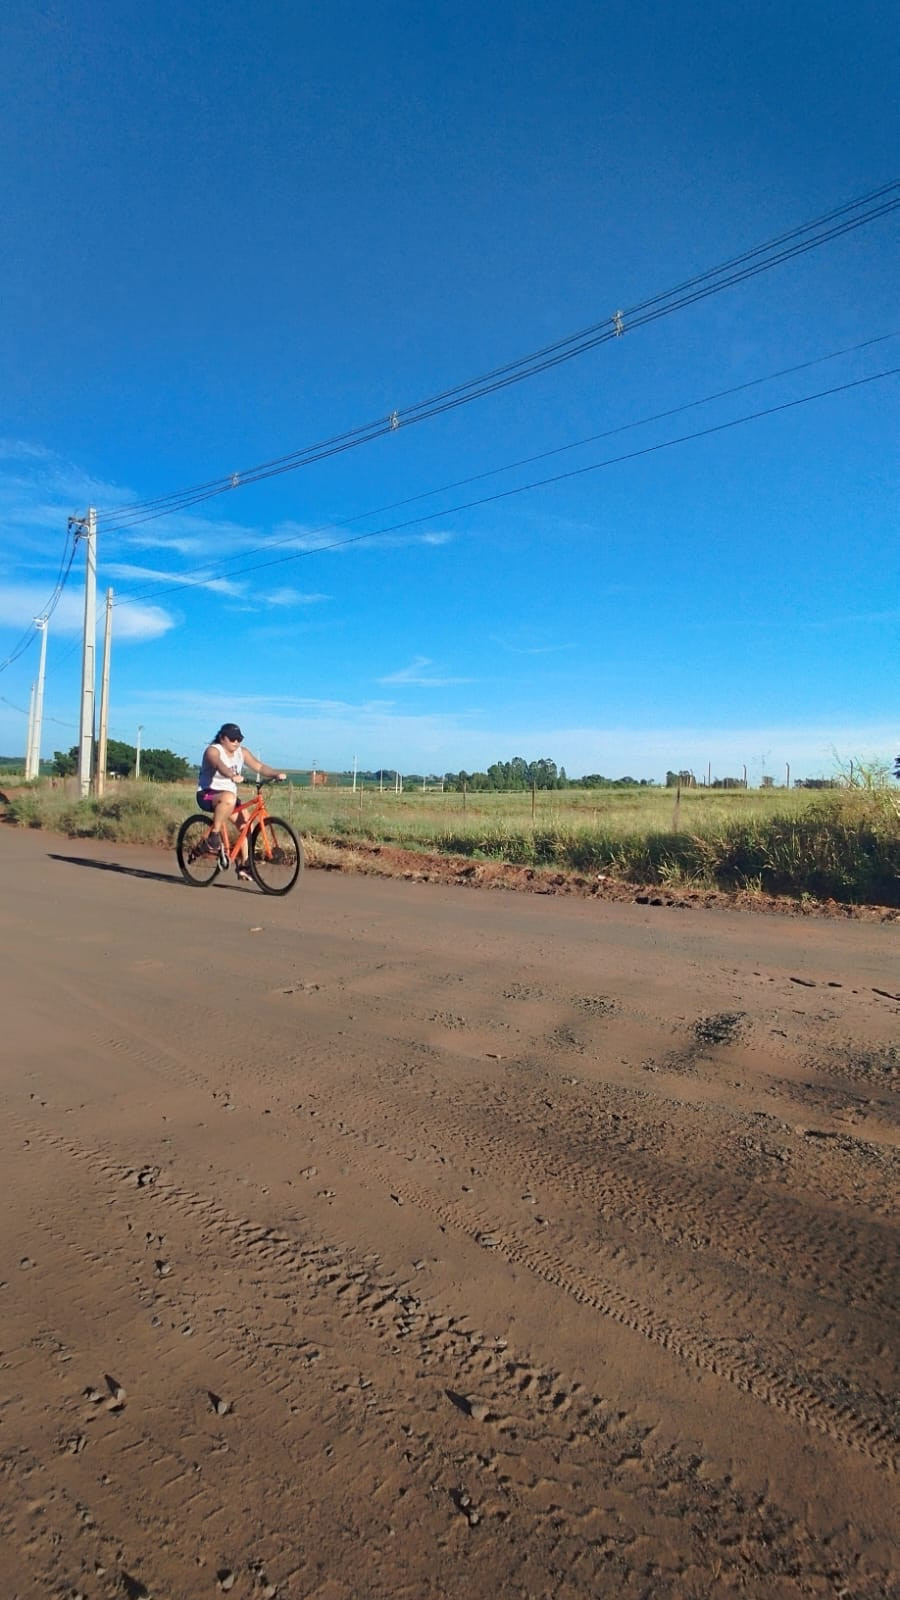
point(210, 778)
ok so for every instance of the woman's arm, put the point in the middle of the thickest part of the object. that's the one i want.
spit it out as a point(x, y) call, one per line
point(214, 759)
point(250, 760)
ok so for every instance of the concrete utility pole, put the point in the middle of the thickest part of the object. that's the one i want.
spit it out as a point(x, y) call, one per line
point(29, 742)
point(137, 751)
point(40, 622)
point(36, 714)
point(86, 528)
point(100, 774)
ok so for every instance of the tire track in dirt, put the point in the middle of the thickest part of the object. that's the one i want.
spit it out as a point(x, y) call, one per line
point(538, 1434)
point(853, 1421)
point(598, 1155)
point(857, 1420)
point(729, 1224)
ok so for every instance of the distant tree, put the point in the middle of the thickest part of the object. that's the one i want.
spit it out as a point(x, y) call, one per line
point(120, 758)
point(163, 766)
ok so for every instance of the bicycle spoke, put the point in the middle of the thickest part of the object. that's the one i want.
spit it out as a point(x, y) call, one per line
point(198, 867)
point(276, 855)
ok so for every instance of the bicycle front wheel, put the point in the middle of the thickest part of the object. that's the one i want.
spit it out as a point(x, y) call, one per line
point(276, 855)
point(198, 868)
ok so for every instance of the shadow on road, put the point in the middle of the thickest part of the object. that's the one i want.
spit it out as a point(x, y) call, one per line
point(136, 872)
point(116, 866)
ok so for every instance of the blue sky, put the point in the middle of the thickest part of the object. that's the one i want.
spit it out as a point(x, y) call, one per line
point(233, 230)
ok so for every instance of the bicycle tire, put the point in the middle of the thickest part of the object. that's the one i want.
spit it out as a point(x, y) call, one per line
point(196, 869)
point(275, 874)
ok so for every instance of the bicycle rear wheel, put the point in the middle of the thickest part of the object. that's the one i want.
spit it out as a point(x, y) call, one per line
point(197, 868)
point(276, 855)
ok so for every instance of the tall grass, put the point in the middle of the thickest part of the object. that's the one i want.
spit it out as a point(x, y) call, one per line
point(135, 813)
point(843, 845)
point(847, 849)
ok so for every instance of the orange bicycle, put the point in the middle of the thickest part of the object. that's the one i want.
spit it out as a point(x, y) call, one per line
point(275, 854)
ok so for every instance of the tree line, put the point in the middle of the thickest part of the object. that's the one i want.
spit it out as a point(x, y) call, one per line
point(505, 776)
point(161, 766)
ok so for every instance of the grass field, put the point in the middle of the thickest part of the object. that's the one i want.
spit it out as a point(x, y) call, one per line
point(842, 844)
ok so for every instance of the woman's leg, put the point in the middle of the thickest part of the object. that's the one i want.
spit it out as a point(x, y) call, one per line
point(225, 804)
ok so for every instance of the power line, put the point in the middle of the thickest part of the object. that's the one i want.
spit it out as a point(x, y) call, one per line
point(739, 269)
point(47, 718)
point(27, 638)
point(560, 477)
point(165, 586)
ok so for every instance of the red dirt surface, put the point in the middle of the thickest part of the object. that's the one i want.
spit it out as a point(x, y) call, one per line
point(388, 1241)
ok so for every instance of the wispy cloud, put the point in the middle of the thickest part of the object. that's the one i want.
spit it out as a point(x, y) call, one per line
point(532, 649)
point(134, 621)
point(126, 572)
point(337, 537)
point(40, 489)
point(290, 597)
point(417, 676)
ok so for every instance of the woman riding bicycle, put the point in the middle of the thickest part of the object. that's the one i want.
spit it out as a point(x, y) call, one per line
point(221, 771)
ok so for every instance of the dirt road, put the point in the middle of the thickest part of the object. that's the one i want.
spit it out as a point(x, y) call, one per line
point(400, 1241)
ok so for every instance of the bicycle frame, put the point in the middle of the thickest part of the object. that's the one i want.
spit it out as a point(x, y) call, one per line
point(253, 812)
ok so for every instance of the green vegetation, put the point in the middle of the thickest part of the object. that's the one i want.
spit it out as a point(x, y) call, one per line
point(160, 766)
point(135, 813)
point(841, 844)
point(501, 777)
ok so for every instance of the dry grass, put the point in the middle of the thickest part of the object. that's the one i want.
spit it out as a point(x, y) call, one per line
point(843, 845)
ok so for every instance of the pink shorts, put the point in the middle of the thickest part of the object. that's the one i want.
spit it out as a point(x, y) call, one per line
point(208, 799)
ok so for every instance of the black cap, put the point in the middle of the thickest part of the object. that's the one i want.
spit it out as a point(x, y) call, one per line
point(230, 730)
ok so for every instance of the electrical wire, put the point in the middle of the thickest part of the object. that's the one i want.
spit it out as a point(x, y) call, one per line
point(65, 567)
point(46, 716)
point(561, 477)
point(739, 269)
point(221, 571)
